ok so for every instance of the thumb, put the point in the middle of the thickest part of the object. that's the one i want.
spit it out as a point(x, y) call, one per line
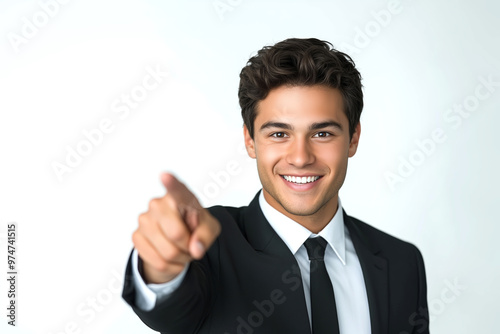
point(204, 235)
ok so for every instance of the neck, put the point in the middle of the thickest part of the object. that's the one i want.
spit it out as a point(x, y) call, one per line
point(314, 222)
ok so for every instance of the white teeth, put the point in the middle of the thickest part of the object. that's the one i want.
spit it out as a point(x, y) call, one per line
point(301, 180)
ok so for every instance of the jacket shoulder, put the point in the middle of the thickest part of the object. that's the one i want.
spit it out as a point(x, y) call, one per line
point(378, 238)
point(227, 212)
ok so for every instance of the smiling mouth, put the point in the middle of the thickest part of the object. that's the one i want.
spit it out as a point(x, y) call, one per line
point(300, 180)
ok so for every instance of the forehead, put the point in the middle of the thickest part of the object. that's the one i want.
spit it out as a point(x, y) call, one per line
point(301, 105)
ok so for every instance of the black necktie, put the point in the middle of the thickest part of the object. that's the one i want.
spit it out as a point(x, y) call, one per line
point(323, 309)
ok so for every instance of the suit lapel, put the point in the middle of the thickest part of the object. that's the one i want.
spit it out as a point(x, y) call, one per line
point(375, 275)
point(266, 241)
point(260, 234)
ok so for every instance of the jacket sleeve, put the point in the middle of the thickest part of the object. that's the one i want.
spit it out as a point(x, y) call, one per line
point(420, 319)
point(186, 308)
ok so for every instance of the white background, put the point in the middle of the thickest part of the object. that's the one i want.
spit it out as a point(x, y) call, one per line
point(74, 233)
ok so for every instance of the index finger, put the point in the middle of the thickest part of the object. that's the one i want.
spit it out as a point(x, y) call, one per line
point(187, 203)
point(179, 191)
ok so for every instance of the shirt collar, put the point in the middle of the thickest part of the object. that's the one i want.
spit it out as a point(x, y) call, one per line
point(294, 234)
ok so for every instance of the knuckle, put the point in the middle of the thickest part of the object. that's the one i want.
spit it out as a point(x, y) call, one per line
point(143, 220)
point(174, 253)
point(136, 237)
point(167, 256)
point(176, 234)
point(154, 204)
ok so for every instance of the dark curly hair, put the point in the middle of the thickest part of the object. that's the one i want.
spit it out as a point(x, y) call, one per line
point(300, 62)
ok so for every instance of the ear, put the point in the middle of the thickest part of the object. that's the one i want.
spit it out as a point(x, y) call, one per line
point(249, 143)
point(353, 145)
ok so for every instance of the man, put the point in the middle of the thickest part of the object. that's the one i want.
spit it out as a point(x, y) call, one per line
point(292, 261)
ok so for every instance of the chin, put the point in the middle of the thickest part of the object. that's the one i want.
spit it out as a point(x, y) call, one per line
point(300, 210)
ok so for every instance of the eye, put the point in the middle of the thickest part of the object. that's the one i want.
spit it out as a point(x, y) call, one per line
point(324, 134)
point(278, 135)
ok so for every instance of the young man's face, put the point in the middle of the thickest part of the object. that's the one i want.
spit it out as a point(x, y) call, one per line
point(303, 132)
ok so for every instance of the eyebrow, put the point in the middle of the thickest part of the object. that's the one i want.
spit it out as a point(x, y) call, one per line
point(313, 126)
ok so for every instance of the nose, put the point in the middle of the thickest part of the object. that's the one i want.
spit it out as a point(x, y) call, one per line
point(299, 153)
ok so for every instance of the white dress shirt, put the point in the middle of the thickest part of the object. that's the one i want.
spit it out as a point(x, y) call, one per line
point(341, 263)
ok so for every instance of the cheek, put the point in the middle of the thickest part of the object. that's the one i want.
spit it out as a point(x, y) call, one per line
point(334, 156)
point(269, 155)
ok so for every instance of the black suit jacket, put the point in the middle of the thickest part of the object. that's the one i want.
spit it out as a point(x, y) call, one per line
point(249, 282)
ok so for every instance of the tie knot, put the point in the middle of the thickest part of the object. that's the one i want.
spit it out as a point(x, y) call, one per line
point(315, 248)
